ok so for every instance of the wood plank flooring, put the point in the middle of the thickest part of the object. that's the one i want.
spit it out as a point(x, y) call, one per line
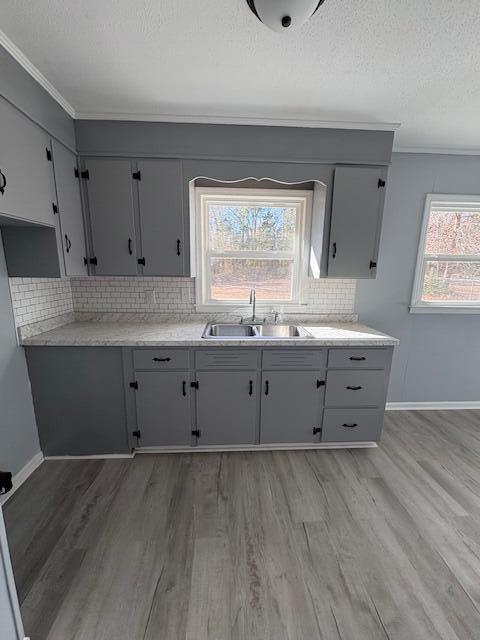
point(372, 544)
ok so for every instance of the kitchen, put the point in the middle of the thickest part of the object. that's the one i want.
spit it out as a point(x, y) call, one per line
point(232, 350)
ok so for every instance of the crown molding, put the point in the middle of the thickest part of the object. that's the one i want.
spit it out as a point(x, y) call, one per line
point(241, 120)
point(447, 151)
point(37, 75)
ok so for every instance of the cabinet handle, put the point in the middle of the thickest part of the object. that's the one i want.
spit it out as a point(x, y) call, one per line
point(184, 388)
point(250, 388)
point(350, 426)
point(178, 247)
point(357, 358)
point(267, 384)
point(354, 388)
point(161, 359)
point(130, 246)
point(334, 250)
point(68, 244)
point(3, 183)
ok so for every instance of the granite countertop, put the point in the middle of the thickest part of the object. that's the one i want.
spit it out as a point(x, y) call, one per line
point(189, 334)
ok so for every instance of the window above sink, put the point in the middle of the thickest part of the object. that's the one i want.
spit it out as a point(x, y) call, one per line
point(251, 239)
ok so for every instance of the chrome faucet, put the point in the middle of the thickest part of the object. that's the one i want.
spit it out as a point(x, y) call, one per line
point(253, 302)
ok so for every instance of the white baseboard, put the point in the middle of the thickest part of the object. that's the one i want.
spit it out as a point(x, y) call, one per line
point(20, 477)
point(100, 456)
point(259, 447)
point(432, 406)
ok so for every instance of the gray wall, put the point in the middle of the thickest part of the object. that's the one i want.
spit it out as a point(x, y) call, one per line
point(439, 355)
point(18, 429)
point(233, 142)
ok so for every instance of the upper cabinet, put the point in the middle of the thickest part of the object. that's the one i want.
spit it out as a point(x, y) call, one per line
point(109, 189)
point(70, 210)
point(27, 189)
point(161, 217)
point(136, 216)
point(356, 217)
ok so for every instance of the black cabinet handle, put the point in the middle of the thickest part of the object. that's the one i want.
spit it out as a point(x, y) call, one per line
point(357, 358)
point(250, 388)
point(354, 388)
point(334, 250)
point(68, 244)
point(161, 359)
point(3, 182)
point(184, 388)
point(350, 426)
point(267, 385)
point(130, 246)
point(178, 247)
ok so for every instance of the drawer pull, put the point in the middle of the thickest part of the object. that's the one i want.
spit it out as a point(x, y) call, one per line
point(357, 358)
point(161, 359)
point(350, 426)
point(354, 388)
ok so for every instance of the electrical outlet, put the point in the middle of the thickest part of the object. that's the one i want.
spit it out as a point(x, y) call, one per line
point(186, 296)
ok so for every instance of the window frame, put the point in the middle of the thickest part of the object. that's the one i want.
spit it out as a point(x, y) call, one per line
point(298, 197)
point(417, 305)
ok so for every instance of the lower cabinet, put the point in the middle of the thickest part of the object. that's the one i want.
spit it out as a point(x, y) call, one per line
point(163, 408)
point(227, 407)
point(352, 425)
point(291, 406)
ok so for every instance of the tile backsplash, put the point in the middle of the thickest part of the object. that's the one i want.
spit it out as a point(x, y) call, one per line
point(37, 299)
point(177, 295)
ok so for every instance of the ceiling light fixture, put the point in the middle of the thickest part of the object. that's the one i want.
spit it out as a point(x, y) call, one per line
point(283, 14)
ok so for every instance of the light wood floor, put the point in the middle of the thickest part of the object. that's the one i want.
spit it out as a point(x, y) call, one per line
point(336, 545)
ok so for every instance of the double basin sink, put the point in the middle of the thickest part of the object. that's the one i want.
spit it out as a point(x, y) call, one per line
point(230, 331)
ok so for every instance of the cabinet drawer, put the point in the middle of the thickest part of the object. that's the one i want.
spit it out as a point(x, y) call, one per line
point(350, 425)
point(226, 359)
point(359, 358)
point(355, 388)
point(160, 359)
point(293, 359)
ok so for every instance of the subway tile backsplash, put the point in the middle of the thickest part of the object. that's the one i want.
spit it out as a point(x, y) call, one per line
point(36, 299)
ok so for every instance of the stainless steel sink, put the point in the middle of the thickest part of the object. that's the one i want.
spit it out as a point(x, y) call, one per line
point(227, 331)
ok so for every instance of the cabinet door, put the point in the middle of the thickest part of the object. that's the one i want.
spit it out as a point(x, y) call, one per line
point(27, 180)
point(226, 407)
point(291, 406)
point(161, 217)
point(357, 209)
point(70, 210)
point(163, 408)
point(110, 204)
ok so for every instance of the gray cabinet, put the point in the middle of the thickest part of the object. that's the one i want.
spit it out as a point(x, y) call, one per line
point(79, 399)
point(291, 406)
point(161, 217)
point(110, 204)
point(356, 216)
point(70, 210)
point(227, 407)
point(163, 408)
point(27, 175)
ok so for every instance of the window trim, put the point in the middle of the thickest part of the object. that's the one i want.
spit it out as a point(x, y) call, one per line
point(304, 197)
point(416, 304)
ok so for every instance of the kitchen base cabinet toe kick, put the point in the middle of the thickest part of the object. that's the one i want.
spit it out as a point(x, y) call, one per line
point(120, 399)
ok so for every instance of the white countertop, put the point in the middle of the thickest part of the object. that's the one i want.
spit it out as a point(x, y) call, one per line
point(189, 334)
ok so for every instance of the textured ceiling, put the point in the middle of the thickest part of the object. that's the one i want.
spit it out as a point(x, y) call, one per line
point(416, 61)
